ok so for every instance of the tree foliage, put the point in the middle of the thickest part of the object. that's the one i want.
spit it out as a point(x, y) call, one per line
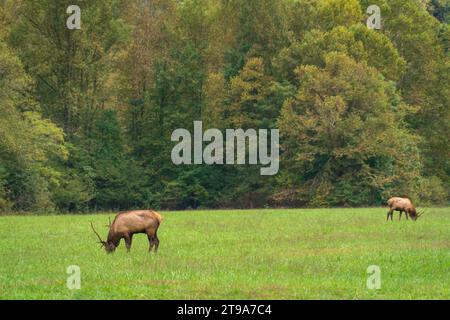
point(86, 115)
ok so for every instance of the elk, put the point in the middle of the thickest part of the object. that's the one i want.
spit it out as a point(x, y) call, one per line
point(402, 205)
point(128, 223)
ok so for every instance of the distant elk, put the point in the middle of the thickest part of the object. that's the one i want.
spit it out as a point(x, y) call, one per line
point(128, 223)
point(403, 205)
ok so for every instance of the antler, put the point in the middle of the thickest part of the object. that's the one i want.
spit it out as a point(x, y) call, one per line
point(419, 214)
point(98, 236)
point(109, 224)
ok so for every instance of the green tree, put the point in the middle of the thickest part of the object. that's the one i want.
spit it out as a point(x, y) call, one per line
point(71, 68)
point(423, 42)
point(355, 41)
point(31, 148)
point(257, 28)
point(344, 139)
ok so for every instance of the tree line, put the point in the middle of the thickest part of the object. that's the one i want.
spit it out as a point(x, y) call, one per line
point(86, 115)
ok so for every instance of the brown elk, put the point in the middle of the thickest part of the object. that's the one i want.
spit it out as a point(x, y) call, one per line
point(402, 205)
point(128, 223)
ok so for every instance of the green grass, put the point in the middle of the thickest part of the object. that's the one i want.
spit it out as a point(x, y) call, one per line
point(255, 254)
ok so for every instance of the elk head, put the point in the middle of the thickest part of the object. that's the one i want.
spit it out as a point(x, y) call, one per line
point(109, 247)
point(416, 215)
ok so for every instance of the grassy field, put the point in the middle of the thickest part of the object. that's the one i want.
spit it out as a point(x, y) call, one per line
point(253, 254)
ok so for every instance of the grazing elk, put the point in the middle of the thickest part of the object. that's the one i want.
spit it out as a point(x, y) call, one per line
point(403, 205)
point(128, 223)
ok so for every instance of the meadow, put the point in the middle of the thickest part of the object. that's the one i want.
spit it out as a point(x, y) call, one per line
point(236, 254)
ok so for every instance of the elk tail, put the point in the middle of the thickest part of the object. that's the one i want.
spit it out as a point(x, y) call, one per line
point(158, 217)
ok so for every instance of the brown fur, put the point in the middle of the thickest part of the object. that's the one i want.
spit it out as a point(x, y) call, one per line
point(402, 205)
point(128, 223)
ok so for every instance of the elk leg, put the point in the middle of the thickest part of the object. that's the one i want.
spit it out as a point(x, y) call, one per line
point(406, 214)
point(400, 216)
point(156, 242)
point(150, 242)
point(128, 240)
point(390, 213)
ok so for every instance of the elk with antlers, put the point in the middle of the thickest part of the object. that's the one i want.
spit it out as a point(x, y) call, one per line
point(128, 223)
point(402, 205)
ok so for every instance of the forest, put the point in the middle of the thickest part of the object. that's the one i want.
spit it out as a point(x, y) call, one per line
point(86, 115)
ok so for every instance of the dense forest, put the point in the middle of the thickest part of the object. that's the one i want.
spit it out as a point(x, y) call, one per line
point(86, 116)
